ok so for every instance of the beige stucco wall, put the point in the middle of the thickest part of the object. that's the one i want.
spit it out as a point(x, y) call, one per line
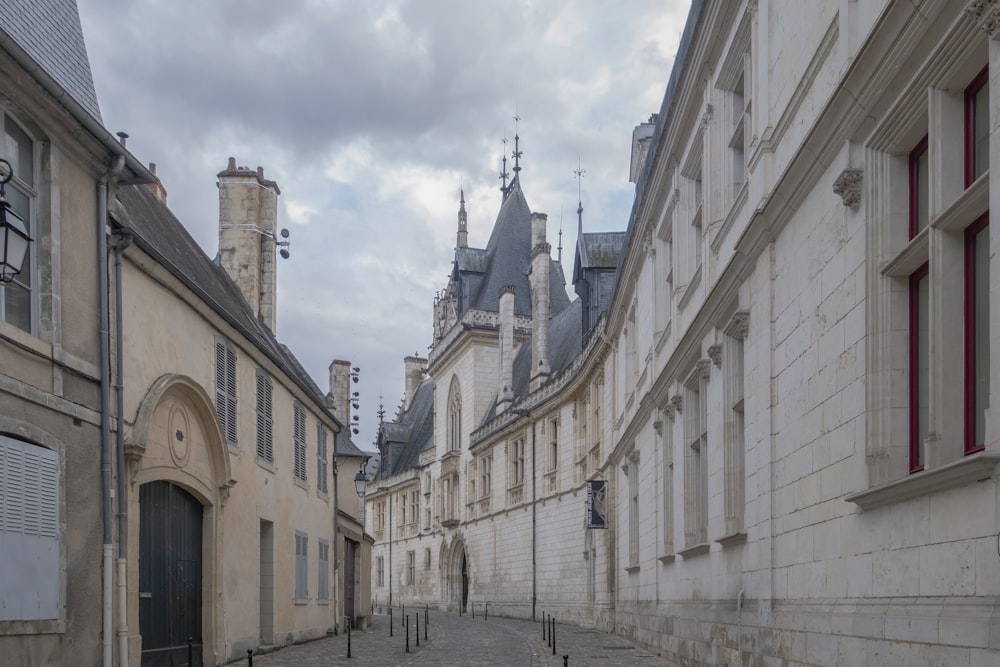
point(177, 345)
point(49, 390)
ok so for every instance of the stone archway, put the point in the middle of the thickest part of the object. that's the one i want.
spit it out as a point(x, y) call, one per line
point(176, 440)
point(457, 576)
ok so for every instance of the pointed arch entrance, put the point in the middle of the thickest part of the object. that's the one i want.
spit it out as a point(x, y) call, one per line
point(457, 576)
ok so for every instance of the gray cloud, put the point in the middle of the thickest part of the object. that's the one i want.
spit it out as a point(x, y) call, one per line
point(370, 115)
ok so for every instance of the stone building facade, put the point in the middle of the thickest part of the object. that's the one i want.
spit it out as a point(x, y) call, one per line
point(787, 394)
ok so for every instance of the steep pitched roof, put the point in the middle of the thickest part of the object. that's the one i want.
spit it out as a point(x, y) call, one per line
point(412, 432)
point(597, 250)
point(51, 34)
point(506, 261)
point(162, 236)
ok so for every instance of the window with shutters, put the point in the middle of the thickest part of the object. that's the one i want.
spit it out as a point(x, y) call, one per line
point(299, 440)
point(225, 388)
point(301, 566)
point(265, 418)
point(321, 481)
point(29, 531)
point(323, 581)
point(411, 568)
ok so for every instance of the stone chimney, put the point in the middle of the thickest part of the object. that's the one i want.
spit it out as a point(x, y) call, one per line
point(339, 398)
point(248, 213)
point(463, 224)
point(414, 368)
point(157, 187)
point(540, 300)
point(506, 389)
point(642, 135)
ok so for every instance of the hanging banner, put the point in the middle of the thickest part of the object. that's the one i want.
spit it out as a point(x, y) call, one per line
point(597, 505)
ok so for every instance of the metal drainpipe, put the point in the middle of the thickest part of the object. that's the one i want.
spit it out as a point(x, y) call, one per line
point(125, 242)
point(106, 492)
point(534, 528)
point(336, 541)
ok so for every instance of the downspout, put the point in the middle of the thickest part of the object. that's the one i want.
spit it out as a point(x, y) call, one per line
point(106, 492)
point(534, 528)
point(336, 542)
point(125, 242)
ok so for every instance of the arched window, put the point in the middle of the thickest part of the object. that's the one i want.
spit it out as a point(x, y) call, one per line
point(454, 416)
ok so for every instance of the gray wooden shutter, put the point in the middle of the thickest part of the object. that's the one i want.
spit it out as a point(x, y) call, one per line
point(265, 420)
point(321, 483)
point(225, 388)
point(301, 566)
point(299, 439)
point(29, 531)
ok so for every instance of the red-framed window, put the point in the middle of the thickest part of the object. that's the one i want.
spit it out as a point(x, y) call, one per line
point(977, 130)
point(918, 188)
point(919, 365)
point(977, 333)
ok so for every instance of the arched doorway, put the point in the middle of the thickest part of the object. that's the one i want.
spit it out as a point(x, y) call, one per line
point(170, 575)
point(465, 581)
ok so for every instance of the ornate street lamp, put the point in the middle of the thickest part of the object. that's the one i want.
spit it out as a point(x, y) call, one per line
point(360, 481)
point(14, 237)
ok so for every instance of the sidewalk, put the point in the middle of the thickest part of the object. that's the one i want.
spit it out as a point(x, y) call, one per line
point(464, 641)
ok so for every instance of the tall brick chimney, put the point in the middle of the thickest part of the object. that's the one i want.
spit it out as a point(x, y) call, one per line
point(414, 368)
point(506, 388)
point(540, 300)
point(339, 397)
point(248, 213)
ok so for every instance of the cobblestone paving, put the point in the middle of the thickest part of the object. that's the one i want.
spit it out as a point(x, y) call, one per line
point(464, 641)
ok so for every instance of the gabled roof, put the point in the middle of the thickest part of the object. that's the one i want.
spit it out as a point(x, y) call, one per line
point(162, 236)
point(50, 34)
point(597, 250)
point(343, 445)
point(411, 433)
point(506, 260)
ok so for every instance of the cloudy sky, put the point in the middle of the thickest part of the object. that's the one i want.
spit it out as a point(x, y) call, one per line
point(371, 115)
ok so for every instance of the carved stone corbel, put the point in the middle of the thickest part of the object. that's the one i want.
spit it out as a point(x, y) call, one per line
point(715, 354)
point(848, 187)
point(986, 14)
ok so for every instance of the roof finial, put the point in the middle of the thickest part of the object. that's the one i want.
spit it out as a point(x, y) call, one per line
point(463, 222)
point(559, 256)
point(503, 170)
point(579, 171)
point(517, 151)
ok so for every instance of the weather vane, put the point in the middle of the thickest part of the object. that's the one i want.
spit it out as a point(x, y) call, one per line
point(517, 152)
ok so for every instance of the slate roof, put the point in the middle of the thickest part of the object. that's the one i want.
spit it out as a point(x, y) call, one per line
point(343, 445)
point(403, 440)
point(597, 250)
point(506, 261)
point(161, 235)
point(565, 344)
point(49, 31)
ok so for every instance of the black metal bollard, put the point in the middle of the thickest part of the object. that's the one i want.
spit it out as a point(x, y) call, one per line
point(545, 625)
point(249, 657)
point(473, 604)
point(486, 612)
point(565, 661)
point(407, 621)
point(191, 651)
point(426, 621)
point(552, 634)
point(417, 618)
point(390, 621)
point(348, 639)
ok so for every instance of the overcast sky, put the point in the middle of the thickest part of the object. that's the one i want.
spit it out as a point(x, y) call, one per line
point(370, 115)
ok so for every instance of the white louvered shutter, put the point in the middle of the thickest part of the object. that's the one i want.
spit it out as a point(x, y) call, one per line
point(29, 531)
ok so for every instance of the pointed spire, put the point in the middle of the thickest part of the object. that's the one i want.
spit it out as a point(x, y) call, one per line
point(579, 171)
point(517, 151)
point(559, 248)
point(463, 222)
point(503, 170)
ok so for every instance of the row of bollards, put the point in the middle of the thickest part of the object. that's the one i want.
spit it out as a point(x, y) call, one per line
point(549, 634)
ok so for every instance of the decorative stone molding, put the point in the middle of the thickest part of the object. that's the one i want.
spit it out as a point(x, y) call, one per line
point(658, 427)
point(715, 354)
point(670, 411)
point(739, 325)
point(703, 368)
point(986, 14)
point(675, 403)
point(848, 187)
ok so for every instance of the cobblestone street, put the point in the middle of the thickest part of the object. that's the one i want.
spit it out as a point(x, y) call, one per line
point(464, 641)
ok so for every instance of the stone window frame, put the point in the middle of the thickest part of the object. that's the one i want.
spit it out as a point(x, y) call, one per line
point(732, 358)
point(27, 184)
point(695, 401)
point(934, 102)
